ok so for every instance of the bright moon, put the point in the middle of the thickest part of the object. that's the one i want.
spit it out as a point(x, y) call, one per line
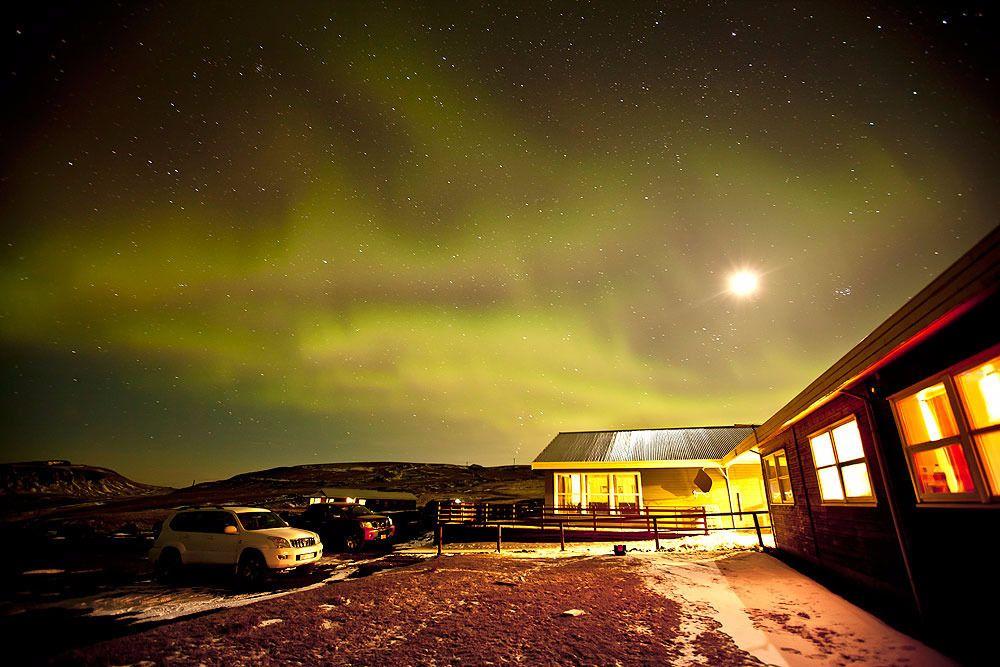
point(743, 283)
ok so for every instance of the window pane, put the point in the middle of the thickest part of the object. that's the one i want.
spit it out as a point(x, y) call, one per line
point(568, 490)
point(626, 484)
point(989, 451)
point(785, 485)
point(822, 450)
point(847, 440)
point(856, 482)
point(926, 416)
point(769, 470)
point(980, 390)
point(943, 470)
point(782, 465)
point(774, 489)
point(829, 484)
point(597, 491)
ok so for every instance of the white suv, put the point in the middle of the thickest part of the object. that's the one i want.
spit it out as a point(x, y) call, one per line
point(251, 540)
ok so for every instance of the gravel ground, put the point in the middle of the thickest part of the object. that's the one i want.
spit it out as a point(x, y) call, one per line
point(710, 601)
point(472, 609)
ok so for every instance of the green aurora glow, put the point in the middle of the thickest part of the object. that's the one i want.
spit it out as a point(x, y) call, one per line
point(446, 233)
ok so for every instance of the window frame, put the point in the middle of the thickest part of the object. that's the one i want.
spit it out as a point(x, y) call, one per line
point(852, 501)
point(965, 438)
point(584, 501)
point(777, 479)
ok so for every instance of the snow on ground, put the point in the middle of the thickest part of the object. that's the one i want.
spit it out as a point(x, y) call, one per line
point(713, 599)
point(717, 543)
point(770, 610)
point(145, 603)
point(148, 602)
point(781, 616)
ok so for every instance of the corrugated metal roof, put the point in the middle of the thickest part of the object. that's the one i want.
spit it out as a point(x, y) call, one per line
point(367, 494)
point(662, 444)
point(972, 278)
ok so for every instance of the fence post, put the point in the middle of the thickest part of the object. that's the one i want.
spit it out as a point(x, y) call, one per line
point(656, 534)
point(440, 537)
point(499, 536)
point(756, 525)
point(562, 536)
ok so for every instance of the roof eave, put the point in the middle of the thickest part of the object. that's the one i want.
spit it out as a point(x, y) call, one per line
point(623, 465)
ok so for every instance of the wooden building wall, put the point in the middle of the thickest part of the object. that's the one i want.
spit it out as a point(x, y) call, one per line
point(951, 548)
point(857, 541)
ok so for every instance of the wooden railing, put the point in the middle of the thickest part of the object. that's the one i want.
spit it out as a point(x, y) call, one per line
point(654, 522)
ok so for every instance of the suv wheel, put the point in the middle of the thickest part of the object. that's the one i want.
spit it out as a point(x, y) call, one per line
point(168, 565)
point(352, 542)
point(251, 570)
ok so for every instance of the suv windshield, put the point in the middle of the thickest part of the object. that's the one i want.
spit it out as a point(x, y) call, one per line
point(358, 510)
point(261, 520)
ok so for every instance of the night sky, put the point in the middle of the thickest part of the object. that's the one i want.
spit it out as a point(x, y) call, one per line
point(244, 235)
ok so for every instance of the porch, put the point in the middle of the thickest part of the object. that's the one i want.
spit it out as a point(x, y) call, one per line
point(471, 521)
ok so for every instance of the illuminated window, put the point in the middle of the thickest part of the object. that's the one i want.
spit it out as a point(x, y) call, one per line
point(927, 415)
point(628, 493)
point(569, 491)
point(840, 463)
point(779, 483)
point(598, 491)
point(951, 430)
point(980, 391)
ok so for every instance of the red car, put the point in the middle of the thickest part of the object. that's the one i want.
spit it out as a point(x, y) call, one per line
point(349, 525)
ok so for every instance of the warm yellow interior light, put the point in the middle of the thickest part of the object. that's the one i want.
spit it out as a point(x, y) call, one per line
point(926, 398)
point(989, 385)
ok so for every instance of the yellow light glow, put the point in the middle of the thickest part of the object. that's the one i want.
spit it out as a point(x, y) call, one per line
point(743, 282)
point(989, 386)
point(933, 406)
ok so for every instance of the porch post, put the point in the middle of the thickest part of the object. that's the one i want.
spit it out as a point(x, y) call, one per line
point(756, 526)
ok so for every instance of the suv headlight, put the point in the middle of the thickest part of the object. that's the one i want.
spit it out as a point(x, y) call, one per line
point(388, 521)
point(280, 542)
point(367, 524)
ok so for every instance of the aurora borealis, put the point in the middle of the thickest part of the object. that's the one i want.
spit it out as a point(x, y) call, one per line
point(248, 235)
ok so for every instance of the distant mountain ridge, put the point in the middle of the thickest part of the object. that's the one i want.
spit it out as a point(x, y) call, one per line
point(290, 484)
point(60, 479)
point(65, 489)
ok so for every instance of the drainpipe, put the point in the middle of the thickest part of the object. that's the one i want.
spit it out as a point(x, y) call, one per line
point(729, 495)
point(890, 497)
point(805, 488)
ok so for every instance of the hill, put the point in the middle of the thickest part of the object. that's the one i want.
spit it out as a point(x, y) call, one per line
point(44, 490)
point(290, 486)
point(36, 484)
